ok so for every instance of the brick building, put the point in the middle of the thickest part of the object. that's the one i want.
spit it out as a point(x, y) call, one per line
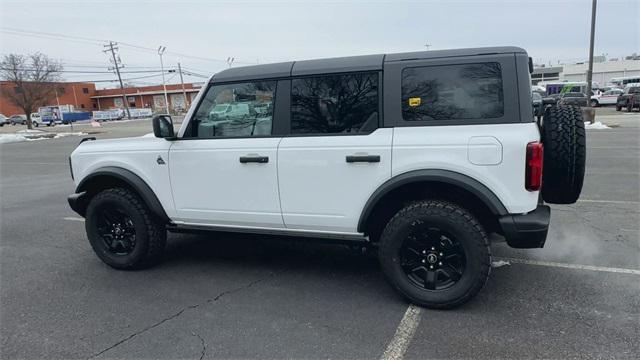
point(76, 94)
point(146, 97)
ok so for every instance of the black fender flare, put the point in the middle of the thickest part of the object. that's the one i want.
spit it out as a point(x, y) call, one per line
point(131, 179)
point(433, 175)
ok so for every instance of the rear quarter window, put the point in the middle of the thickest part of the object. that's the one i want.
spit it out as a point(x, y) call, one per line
point(450, 92)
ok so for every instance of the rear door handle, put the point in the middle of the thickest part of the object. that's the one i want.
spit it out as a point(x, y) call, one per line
point(254, 159)
point(363, 158)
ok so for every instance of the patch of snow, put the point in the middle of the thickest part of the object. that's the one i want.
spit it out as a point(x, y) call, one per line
point(11, 138)
point(30, 136)
point(595, 126)
point(32, 131)
point(499, 263)
point(65, 134)
point(148, 135)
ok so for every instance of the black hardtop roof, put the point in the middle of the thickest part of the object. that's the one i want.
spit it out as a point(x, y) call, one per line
point(346, 64)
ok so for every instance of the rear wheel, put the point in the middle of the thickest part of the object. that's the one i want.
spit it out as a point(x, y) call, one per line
point(435, 253)
point(564, 139)
point(122, 231)
point(594, 103)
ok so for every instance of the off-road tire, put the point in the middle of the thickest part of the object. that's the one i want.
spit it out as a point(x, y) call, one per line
point(457, 221)
point(564, 138)
point(151, 234)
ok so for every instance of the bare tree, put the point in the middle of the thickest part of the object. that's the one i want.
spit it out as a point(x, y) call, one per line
point(33, 78)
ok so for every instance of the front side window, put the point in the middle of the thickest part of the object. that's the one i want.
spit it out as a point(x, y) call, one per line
point(451, 92)
point(234, 110)
point(335, 104)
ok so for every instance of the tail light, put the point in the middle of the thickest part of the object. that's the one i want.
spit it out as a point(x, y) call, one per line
point(533, 172)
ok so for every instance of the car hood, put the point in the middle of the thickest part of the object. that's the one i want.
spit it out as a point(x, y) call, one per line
point(131, 144)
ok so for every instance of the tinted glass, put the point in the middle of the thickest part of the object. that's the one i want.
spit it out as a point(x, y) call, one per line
point(334, 104)
point(465, 91)
point(235, 110)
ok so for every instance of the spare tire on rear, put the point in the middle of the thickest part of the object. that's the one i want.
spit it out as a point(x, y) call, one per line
point(564, 139)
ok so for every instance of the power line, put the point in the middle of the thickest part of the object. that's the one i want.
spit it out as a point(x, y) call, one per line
point(98, 72)
point(42, 34)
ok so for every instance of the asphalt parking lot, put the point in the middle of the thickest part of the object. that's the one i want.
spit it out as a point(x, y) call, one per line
point(232, 296)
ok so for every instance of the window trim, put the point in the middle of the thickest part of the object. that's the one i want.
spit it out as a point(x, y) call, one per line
point(380, 103)
point(393, 91)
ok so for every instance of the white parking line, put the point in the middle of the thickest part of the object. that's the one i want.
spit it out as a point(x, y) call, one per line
point(404, 334)
point(572, 266)
point(609, 201)
point(73, 218)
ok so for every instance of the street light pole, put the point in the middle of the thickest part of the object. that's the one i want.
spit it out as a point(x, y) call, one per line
point(161, 50)
point(590, 69)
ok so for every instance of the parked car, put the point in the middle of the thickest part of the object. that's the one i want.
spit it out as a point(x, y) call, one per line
point(608, 97)
point(573, 98)
point(630, 98)
point(4, 120)
point(467, 162)
point(538, 109)
point(18, 119)
point(35, 119)
point(550, 100)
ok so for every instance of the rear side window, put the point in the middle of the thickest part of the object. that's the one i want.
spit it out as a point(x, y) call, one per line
point(450, 92)
point(335, 104)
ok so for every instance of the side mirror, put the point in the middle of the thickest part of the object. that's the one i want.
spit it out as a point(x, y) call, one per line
point(163, 126)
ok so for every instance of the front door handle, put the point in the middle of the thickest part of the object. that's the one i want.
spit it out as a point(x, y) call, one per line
point(254, 159)
point(363, 158)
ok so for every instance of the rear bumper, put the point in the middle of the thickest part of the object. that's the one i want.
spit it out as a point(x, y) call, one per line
point(77, 202)
point(528, 230)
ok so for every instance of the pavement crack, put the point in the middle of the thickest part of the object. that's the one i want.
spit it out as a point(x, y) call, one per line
point(204, 346)
point(122, 341)
point(181, 311)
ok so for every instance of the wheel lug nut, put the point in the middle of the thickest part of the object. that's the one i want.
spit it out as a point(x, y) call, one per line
point(440, 263)
point(431, 267)
point(433, 248)
point(423, 261)
point(441, 254)
point(424, 251)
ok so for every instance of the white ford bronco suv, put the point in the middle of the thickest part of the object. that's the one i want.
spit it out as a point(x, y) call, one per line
point(421, 155)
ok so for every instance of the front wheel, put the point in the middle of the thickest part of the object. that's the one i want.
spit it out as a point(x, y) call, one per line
point(122, 231)
point(435, 253)
point(594, 103)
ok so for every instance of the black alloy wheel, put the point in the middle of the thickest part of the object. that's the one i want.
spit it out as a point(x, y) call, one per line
point(432, 259)
point(117, 231)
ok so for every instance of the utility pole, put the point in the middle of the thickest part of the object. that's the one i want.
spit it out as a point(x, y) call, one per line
point(161, 50)
point(184, 92)
point(593, 32)
point(117, 65)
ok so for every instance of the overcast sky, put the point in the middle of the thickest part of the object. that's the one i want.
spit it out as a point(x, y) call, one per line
point(269, 31)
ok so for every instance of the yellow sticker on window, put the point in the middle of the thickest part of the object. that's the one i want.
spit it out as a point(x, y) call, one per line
point(415, 101)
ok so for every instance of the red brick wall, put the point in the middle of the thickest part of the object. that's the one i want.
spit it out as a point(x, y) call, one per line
point(81, 100)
